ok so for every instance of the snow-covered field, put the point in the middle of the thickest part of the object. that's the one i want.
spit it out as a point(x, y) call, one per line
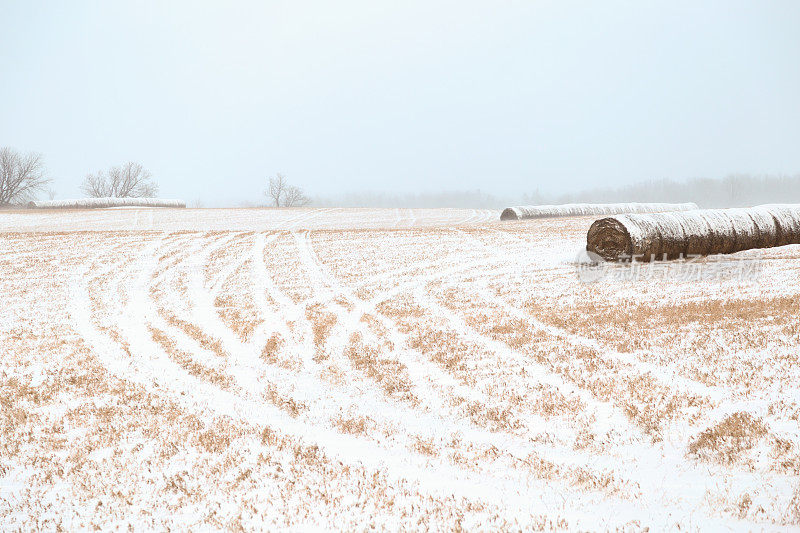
point(352, 368)
point(237, 219)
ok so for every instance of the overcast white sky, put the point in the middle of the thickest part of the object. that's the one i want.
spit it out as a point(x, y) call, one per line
point(505, 96)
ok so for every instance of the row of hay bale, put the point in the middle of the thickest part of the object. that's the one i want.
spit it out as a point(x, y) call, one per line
point(571, 210)
point(701, 232)
point(99, 203)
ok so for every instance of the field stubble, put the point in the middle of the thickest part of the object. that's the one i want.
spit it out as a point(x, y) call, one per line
point(430, 372)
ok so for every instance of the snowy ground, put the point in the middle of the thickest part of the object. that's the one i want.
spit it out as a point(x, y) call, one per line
point(352, 368)
point(236, 219)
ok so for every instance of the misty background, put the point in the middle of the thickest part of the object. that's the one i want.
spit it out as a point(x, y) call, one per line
point(732, 191)
point(419, 103)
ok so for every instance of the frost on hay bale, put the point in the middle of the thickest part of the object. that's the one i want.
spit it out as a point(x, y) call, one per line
point(694, 233)
point(574, 210)
point(90, 203)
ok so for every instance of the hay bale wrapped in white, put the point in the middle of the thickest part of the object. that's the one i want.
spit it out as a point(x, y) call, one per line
point(100, 203)
point(575, 210)
point(646, 237)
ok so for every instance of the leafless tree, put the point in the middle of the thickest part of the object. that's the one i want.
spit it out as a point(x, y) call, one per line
point(276, 188)
point(21, 176)
point(294, 197)
point(130, 180)
point(284, 195)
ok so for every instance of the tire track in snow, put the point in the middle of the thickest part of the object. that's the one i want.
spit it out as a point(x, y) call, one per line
point(438, 383)
point(606, 412)
point(157, 371)
point(422, 372)
point(672, 457)
point(429, 371)
point(306, 387)
point(644, 463)
point(668, 374)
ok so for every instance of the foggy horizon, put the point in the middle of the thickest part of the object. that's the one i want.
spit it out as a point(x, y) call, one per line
point(420, 98)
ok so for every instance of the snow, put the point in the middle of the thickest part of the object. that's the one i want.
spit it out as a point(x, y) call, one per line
point(243, 219)
point(485, 386)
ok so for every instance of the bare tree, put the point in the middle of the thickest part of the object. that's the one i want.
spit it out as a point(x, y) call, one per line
point(276, 187)
point(294, 197)
point(284, 195)
point(21, 176)
point(130, 180)
point(96, 185)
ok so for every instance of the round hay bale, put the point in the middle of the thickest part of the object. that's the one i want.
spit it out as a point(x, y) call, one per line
point(103, 203)
point(609, 238)
point(703, 232)
point(509, 213)
point(787, 224)
point(570, 210)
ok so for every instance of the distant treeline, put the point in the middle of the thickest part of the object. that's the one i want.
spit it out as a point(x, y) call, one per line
point(469, 199)
point(738, 190)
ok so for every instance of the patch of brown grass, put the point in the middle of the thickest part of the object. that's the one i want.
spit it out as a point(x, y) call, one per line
point(444, 347)
point(400, 307)
point(185, 361)
point(637, 326)
point(238, 315)
point(284, 403)
point(354, 425)
point(390, 375)
point(206, 341)
point(217, 438)
point(727, 440)
point(424, 446)
point(494, 417)
point(793, 511)
point(322, 322)
point(13, 414)
point(271, 349)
